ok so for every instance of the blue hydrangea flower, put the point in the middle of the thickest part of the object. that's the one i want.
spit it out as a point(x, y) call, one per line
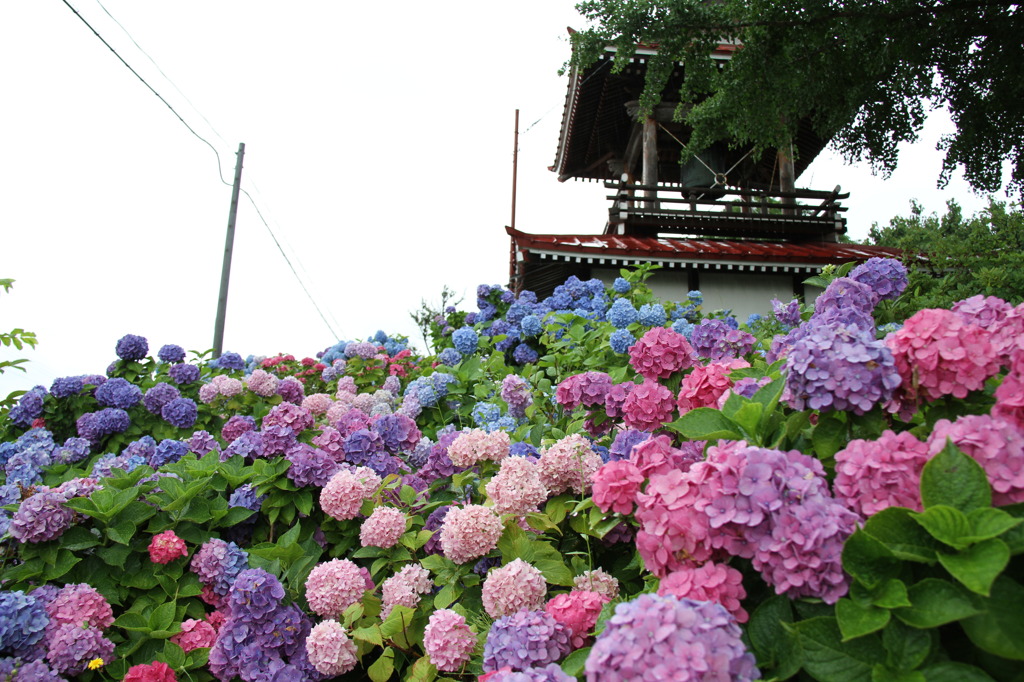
point(120, 393)
point(484, 412)
point(450, 357)
point(229, 361)
point(683, 327)
point(622, 313)
point(23, 622)
point(466, 340)
point(131, 347)
point(753, 319)
point(183, 373)
point(620, 341)
point(652, 315)
point(621, 286)
point(695, 297)
point(531, 325)
point(167, 452)
point(524, 355)
point(66, 386)
point(180, 412)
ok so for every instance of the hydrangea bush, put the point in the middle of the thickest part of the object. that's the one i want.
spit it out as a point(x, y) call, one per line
point(597, 485)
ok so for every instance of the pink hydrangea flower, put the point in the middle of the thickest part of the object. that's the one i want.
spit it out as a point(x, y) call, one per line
point(345, 493)
point(333, 586)
point(719, 583)
point(469, 532)
point(318, 403)
point(262, 383)
point(165, 547)
point(295, 417)
point(672, 531)
point(516, 585)
point(157, 671)
point(577, 610)
point(382, 528)
point(208, 393)
point(657, 456)
point(997, 445)
point(404, 588)
point(616, 485)
point(448, 640)
point(517, 488)
point(598, 580)
point(568, 463)
point(81, 605)
point(706, 384)
point(938, 354)
point(648, 407)
point(587, 389)
point(195, 634)
point(1004, 323)
point(660, 353)
point(874, 475)
point(477, 446)
point(330, 650)
point(1010, 393)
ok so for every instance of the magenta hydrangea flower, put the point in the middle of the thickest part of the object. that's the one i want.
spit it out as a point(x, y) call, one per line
point(469, 532)
point(587, 389)
point(874, 475)
point(660, 353)
point(333, 586)
point(345, 493)
point(330, 650)
point(616, 485)
point(195, 634)
point(524, 640)
point(516, 585)
point(719, 583)
point(404, 588)
point(568, 463)
point(665, 638)
point(1010, 393)
point(382, 528)
point(648, 407)
point(657, 456)
point(448, 640)
point(517, 488)
point(995, 444)
point(577, 610)
point(706, 384)
point(295, 417)
point(165, 547)
point(477, 446)
point(672, 530)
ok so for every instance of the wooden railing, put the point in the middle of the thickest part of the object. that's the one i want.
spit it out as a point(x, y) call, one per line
point(725, 212)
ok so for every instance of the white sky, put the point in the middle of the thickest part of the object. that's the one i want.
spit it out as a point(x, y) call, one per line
point(378, 146)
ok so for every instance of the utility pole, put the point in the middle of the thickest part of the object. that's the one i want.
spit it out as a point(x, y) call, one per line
point(225, 272)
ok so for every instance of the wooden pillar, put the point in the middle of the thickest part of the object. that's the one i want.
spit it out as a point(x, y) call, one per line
point(787, 174)
point(650, 171)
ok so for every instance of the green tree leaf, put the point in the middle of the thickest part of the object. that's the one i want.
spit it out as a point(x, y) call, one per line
point(999, 628)
point(936, 602)
point(829, 659)
point(977, 566)
point(706, 423)
point(856, 621)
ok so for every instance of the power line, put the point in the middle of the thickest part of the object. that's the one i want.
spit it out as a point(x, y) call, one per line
point(166, 77)
point(289, 262)
point(220, 171)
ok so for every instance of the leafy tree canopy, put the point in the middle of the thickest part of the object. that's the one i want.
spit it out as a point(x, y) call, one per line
point(963, 256)
point(865, 72)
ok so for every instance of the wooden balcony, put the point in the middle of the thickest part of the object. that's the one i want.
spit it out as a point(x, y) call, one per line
point(723, 212)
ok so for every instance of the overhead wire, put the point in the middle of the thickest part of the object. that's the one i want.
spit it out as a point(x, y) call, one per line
point(220, 170)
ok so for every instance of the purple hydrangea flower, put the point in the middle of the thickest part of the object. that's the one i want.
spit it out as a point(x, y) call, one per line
point(180, 412)
point(524, 355)
point(887, 277)
point(449, 357)
point(254, 594)
point(309, 465)
point(217, 563)
point(624, 443)
point(144, 447)
point(183, 373)
point(118, 392)
point(229, 361)
point(71, 647)
point(788, 314)
point(171, 353)
point(131, 347)
point(291, 390)
point(249, 445)
point(202, 443)
point(25, 467)
point(524, 640)
point(665, 638)
point(717, 340)
point(398, 433)
point(276, 440)
point(41, 517)
point(158, 396)
point(66, 386)
point(94, 426)
point(168, 452)
point(29, 408)
point(245, 496)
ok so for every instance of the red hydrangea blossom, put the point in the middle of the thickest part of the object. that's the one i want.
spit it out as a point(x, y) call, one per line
point(719, 583)
point(616, 485)
point(648, 406)
point(577, 610)
point(157, 671)
point(165, 547)
point(706, 384)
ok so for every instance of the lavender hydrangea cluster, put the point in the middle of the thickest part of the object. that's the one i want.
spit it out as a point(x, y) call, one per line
point(180, 412)
point(29, 407)
point(217, 563)
point(526, 639)
point(887, 277)
point(23, 622)
point(66, 386)
point(158, 396)
point(41, 517)
point(184, 373)
point(449, 357)
point(717, 340)
point(664, 638)
point(95, 426)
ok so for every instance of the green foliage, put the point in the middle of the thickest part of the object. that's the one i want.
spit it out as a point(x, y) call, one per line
point(19, 338)
point(821, 61)
point(953, 257)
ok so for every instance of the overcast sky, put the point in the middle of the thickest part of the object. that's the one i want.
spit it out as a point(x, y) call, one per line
point(379, 141)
